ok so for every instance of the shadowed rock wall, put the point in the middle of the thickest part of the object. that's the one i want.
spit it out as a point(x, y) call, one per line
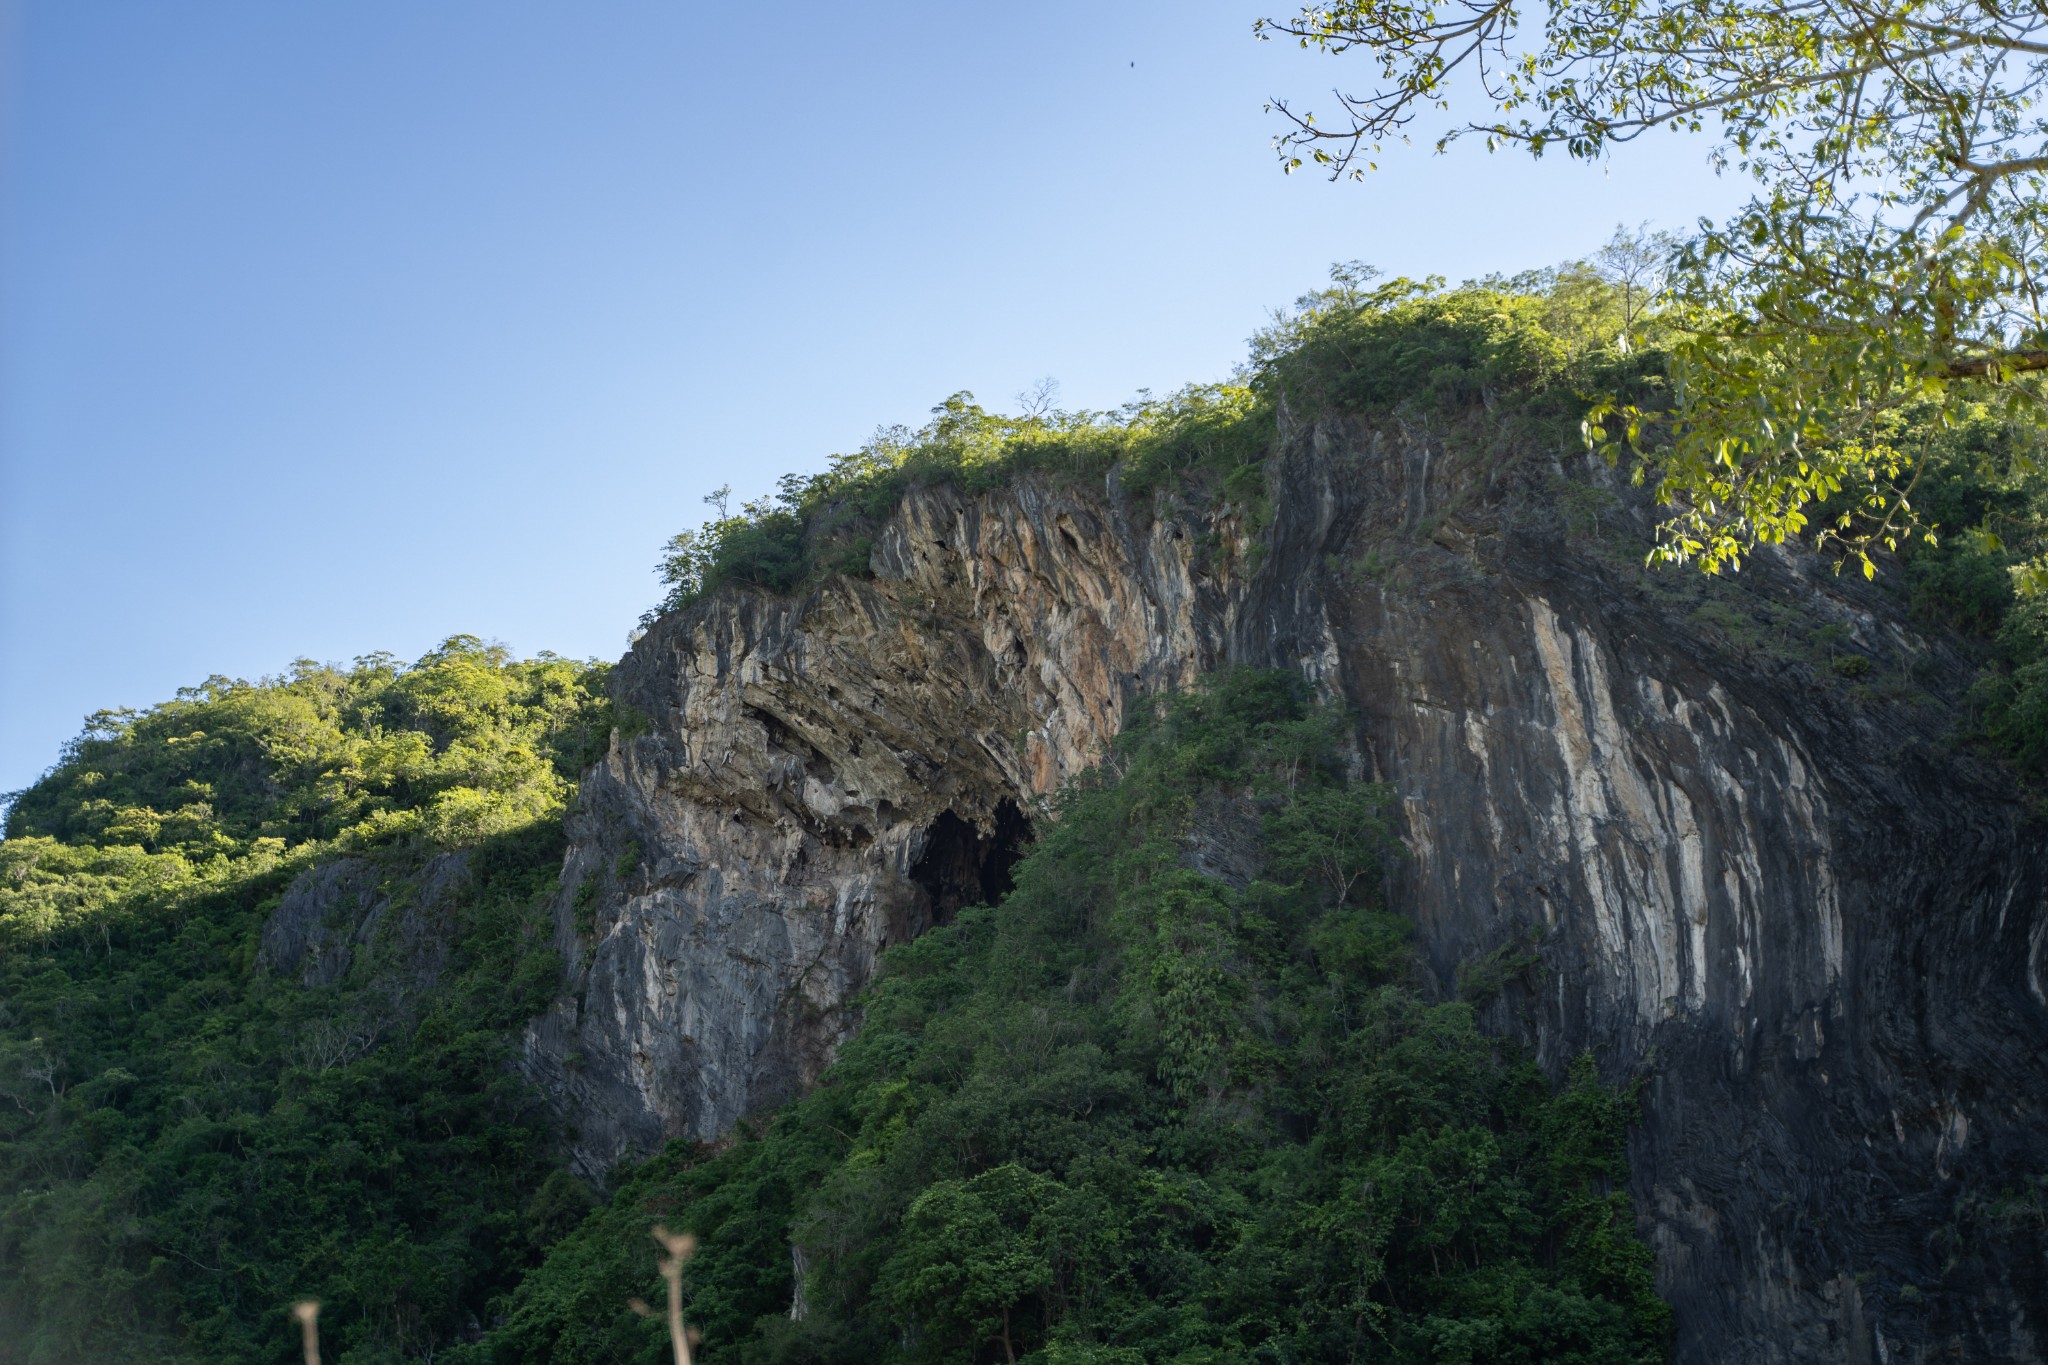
point(1664, 825)
point(1647, 815)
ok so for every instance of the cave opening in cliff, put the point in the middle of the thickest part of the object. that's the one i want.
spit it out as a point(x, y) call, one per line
point(963, 864)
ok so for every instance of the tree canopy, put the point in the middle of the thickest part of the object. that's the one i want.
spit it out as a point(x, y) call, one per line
point(194, 1135)
point(1892, 253)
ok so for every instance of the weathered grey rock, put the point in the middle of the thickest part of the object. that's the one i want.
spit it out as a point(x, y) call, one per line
point(1812, 924)
point(826, 775)
point(354, 914)
point(311, 934)
point(1816, 926)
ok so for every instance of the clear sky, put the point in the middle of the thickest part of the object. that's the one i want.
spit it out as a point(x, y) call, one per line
point(345, 325)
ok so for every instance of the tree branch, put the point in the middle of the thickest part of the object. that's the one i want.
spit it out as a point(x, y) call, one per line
point(1992, 367)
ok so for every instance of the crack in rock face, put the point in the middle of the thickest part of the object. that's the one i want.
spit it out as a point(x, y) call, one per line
point(962, 865)
point(1812, 925)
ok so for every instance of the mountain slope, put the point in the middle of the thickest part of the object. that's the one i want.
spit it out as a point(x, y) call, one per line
point(1724, 832)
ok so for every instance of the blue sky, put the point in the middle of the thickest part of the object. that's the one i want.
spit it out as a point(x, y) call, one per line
point(334, 327)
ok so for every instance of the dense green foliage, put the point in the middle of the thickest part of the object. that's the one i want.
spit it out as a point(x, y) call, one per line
point(1984, 486)
point(1205, 438)
point(1137, 1112)
point(1134, 1112)
point(1542, 341)
point(190, 1141)
point(207, 788)
point(1535, 353)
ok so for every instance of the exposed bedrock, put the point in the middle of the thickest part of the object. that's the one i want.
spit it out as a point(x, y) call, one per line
point(1644, 816)
point(822, 776)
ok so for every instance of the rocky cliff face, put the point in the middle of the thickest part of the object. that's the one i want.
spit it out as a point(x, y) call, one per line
point(1709, 831)
point(820, 777)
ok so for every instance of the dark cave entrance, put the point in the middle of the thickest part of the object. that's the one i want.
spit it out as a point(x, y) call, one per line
point(963, 866)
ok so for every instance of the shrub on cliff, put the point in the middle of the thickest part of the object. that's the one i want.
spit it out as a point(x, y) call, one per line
point(1982, 496)
point(1207, 438)
point(1360, 347)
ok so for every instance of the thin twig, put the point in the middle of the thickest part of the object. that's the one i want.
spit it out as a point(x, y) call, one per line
point(680, 1246)
point(306, 1311)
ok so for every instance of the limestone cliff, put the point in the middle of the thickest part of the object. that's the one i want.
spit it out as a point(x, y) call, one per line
point(822, 776)
point(1647, 815)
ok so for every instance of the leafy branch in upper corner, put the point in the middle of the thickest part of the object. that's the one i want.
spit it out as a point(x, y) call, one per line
point(1893, 254)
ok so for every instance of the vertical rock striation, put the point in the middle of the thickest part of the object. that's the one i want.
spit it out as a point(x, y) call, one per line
point(1645, 814)
point(1661, 826)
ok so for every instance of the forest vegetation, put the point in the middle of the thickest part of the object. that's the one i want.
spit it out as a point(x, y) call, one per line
point(1539, 351)
point(1137, 1114)
point(190, 1141)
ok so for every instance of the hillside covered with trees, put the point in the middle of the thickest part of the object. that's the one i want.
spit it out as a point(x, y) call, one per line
point(191, 1139)
point(1133, 1112)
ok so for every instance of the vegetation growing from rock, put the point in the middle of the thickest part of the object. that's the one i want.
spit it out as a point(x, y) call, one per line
point(1984, 484)
point(189, 1140)
point(1209, 438)
point(1143, 1111)
point(1890, 258)
point(1541, 341)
